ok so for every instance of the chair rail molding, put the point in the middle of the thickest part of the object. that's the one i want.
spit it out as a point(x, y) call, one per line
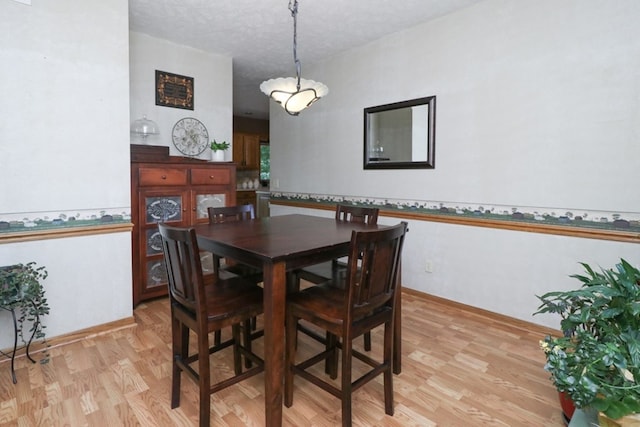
point(603, 225)
point(28, 226)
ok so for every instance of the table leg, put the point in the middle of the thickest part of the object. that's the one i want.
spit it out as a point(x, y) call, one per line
point(274, 308)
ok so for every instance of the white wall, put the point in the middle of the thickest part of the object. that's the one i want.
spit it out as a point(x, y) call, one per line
point(213, 89)
point(64, 112)
point(537, 105)
point(64, 146)
point(83, 289)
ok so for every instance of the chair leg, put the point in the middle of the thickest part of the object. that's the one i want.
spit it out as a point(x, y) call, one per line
point(367, 341)
point(331, 363)
point(237, 360)
point(217, 337)
point(180, 344)
point(388, 374)
point(291, 332)
point(346, 381)
point(204, 378)
point(246, 334)
point(293, 282)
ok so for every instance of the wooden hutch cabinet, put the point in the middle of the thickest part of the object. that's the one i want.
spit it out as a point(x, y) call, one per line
point(175, 190)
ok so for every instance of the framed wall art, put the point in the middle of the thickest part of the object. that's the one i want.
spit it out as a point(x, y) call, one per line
point(174, 90)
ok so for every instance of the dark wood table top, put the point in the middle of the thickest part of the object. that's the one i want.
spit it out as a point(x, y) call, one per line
point(295, 239)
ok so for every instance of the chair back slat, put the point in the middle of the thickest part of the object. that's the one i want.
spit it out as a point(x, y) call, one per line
point(231, 213)
point(378, 255)
point(357, 214)
point(184, 269)
point(222, 214)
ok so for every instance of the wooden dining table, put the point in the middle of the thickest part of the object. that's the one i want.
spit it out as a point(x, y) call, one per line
point(278, 245)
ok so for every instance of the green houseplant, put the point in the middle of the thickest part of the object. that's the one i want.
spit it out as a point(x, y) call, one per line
point(597, 360)
point(215, 146)
point(218, 149)
point(21, 290)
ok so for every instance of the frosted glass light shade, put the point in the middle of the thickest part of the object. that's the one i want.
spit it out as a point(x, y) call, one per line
point(285, 92)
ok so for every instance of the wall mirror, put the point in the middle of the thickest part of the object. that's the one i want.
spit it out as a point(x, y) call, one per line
point(400, 135)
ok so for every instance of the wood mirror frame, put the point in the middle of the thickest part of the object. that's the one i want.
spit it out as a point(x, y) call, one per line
point(400, 135)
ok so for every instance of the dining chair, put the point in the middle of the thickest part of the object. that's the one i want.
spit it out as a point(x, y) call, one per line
point(346, 310)
point(218, 215)
point(321, 273)
point(203, 309)
point(227, 267)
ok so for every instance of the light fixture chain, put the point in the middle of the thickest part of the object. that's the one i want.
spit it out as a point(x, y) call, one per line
point(281, 90)
point(294, 13)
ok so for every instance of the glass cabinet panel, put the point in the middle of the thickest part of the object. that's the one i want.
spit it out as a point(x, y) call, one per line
point(156, 273)
point(153, 241)
point(163, 209)
point(206, 260)
point(204, 201)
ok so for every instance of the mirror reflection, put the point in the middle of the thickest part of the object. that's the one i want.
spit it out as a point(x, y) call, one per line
point(400, 135)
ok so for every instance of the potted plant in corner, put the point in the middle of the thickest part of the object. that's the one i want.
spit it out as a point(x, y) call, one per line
point(597, 360)
point(218, 149)
point(21, 292)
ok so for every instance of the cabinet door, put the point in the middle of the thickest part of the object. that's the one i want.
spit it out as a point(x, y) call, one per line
point(156, 206)
point(206, 197)
point(246, 151)
point(203, 198)
point(252, 151)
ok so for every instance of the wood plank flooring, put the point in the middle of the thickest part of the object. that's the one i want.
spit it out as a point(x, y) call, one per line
point(459, 369)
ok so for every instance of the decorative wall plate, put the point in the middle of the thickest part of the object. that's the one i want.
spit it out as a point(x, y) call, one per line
point(190, 136)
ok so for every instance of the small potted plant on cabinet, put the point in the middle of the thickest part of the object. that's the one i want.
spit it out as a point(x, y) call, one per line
point(21, 291)
point(597, 360)
point(218, 149)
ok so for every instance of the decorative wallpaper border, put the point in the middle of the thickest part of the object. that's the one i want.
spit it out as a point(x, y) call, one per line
point(25, 222)
point(590, 219)
point(606, 221)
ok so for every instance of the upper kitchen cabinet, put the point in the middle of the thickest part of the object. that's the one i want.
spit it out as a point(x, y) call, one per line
point(246, 151)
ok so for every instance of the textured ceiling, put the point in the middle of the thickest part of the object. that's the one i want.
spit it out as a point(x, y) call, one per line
point(258, 34)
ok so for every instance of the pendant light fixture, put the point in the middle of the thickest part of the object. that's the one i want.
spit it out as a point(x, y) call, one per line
point(293, 93)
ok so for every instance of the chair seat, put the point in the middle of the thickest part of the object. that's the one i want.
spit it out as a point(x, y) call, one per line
point(233, 297)
point(326, 303)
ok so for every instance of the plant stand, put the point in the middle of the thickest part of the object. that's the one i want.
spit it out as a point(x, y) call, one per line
point(15, 343)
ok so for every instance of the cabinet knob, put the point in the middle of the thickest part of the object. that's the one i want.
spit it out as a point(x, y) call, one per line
point(211, 177)
point(164, 177)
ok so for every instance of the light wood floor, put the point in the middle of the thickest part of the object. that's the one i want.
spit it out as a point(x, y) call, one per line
point(459, 369)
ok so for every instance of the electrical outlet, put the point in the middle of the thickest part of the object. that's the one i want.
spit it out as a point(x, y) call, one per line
point(428, 266)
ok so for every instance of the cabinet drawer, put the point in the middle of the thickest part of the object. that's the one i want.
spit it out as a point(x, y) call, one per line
point(210, 176)
point(162, 176)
